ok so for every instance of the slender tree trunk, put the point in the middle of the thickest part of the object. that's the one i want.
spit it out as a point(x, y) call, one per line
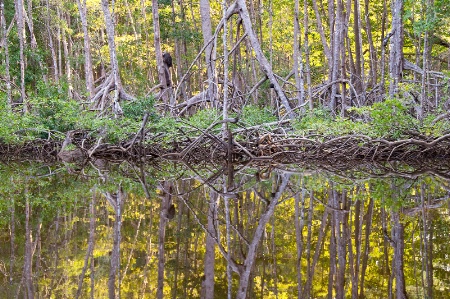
point(396, 48)
point(298, 57)
point(373, 53)
point(266, 68)
point(20, 10)
point(307, 52)
point(50, 43)
point(158, 52)
point(4, 38)
point(89, 76)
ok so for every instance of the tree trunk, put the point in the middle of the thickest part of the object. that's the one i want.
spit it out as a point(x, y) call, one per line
point(20, 19)
point(89, 76)
point(4, 39)
point(298, 57)
point(159, 55)
point(396, 48)
point(209, 53)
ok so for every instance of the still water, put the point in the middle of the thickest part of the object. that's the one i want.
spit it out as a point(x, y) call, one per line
point(171, 230)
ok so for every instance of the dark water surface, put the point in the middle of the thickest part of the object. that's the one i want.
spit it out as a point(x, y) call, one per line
point(271, 231)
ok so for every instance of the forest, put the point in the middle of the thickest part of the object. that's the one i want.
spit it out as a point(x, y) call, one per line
point(97, 72)
point(224, 149)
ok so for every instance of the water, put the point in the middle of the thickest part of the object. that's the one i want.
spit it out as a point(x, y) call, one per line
point(270, 231)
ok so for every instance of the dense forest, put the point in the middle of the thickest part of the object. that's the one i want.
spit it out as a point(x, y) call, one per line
point(333, 67)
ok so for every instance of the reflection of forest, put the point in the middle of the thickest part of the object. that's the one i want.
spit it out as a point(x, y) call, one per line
point(254, 232)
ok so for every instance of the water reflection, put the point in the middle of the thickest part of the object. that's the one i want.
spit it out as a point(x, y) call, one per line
point(259, 231)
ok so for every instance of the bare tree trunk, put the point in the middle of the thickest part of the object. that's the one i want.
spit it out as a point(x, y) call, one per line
point(358, 77)
point(298, 57)
point(373, 53)
point(326, 48)
point(383, 49)
point(89, 76)
point(209, 53)
point(225, 71)
point(208, 282)
point(307, 52)
point(4, 41)
point(396, 48)
point(20, 10)
point(50, 43)
point(68, 68)
point(266, 68)
point(158, 53)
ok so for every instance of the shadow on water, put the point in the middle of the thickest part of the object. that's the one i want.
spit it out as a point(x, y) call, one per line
point(172, 230)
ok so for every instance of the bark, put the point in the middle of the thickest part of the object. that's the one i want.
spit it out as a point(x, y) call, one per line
point(298, 57)
point(252, 248)
point(396, 48)
point(373, 53)
point(89, 76)
point(265, 66)
point(358, 79)
point(337, 45)
point(325, 46)
point(50, 43)
point(225, 71)
point(20, 19)
point(158, 52)
point(4, 42)
point(210, 56)
point(307, 60)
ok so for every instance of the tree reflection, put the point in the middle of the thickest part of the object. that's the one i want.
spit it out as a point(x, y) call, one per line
point(233, 233)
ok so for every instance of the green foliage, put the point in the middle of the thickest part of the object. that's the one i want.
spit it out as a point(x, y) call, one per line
point(388, 119)
point(320, 121)
point(254, 115)
point(135, 110)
